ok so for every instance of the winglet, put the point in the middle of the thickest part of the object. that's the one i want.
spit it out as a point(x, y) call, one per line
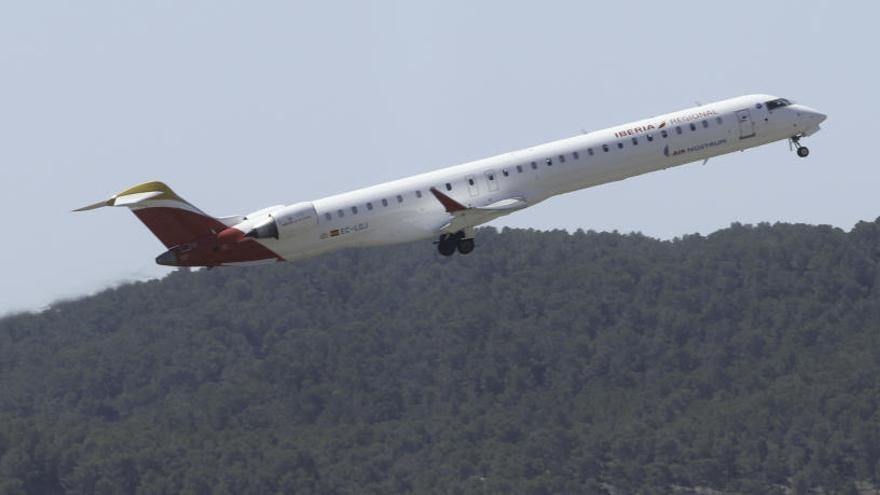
point(451, 205)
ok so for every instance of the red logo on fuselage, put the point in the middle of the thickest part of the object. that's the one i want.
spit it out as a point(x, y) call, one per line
point(632, 131)
point(636, 130)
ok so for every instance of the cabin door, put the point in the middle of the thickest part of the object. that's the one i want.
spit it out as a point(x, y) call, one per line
point(746, 124)
point(473, 188)
point(491, 181)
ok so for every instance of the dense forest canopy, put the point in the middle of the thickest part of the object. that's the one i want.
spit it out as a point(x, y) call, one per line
point(746, 361)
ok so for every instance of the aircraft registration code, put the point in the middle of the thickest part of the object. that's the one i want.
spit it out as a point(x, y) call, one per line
point(345, 230)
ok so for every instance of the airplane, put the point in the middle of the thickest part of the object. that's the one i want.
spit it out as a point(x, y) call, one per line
point(447, 204)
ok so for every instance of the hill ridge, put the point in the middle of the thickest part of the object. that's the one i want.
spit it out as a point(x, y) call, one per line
point(545, 362)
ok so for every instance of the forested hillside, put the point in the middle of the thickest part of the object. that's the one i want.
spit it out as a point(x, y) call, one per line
point(746, 361)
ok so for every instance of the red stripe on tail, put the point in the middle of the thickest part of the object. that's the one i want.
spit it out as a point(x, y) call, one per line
point(174, 226)
point(194, 239)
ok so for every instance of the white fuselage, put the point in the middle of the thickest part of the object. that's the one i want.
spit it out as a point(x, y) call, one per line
point(405, 210)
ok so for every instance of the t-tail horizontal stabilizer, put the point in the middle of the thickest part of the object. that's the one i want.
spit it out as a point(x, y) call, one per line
point(193, 238)
point(171, 218)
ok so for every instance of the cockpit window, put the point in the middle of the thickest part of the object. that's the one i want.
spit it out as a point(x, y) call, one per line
point(777, 103)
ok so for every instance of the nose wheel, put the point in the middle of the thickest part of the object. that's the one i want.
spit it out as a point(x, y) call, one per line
point(802, 151)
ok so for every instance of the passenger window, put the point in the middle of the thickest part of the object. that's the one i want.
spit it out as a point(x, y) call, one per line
point(340, 213)
point(448, 186)
point(605, 148)
point(534, 166)
point(384, 202)
point(471, 181)
point(705, 124)
point(548, 162)
point(718, 120)
point(650, 137)
point(491, 176)
point(561, 159)
point(693, 126)
point(418, 194)
point(519, 169)
point(575, 155)
point(664, 134)
point(354, 210)
point(369, 205)
point(399, 198)
point(505, 172)
point(619, 145)
point(590, 151)
point(678, 129)
point(328, 216)
point(635, 141)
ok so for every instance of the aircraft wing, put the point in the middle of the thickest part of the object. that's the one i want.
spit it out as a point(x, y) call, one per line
point(464, 217)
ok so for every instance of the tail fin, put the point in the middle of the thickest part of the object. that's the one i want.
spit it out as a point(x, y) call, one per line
point(172, 219)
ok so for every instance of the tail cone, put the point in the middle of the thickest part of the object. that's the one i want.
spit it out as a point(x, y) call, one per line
point(168, 258)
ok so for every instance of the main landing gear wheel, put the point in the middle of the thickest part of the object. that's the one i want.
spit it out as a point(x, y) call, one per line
point(446, 246)
point(449, 243)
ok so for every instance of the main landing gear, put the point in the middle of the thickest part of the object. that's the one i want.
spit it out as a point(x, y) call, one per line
point(802, 151)
point(449, 243)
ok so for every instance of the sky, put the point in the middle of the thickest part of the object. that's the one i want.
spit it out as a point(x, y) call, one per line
point(241, 105)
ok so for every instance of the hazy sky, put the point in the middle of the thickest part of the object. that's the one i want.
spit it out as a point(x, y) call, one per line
point(240, 105)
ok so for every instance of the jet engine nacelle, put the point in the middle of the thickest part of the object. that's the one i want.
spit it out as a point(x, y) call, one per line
point(286, 222)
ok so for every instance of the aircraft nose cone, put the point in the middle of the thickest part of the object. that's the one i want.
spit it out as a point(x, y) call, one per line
point(815, 115)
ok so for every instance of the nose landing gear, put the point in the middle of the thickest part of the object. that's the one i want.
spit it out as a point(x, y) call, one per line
point(802, 151)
